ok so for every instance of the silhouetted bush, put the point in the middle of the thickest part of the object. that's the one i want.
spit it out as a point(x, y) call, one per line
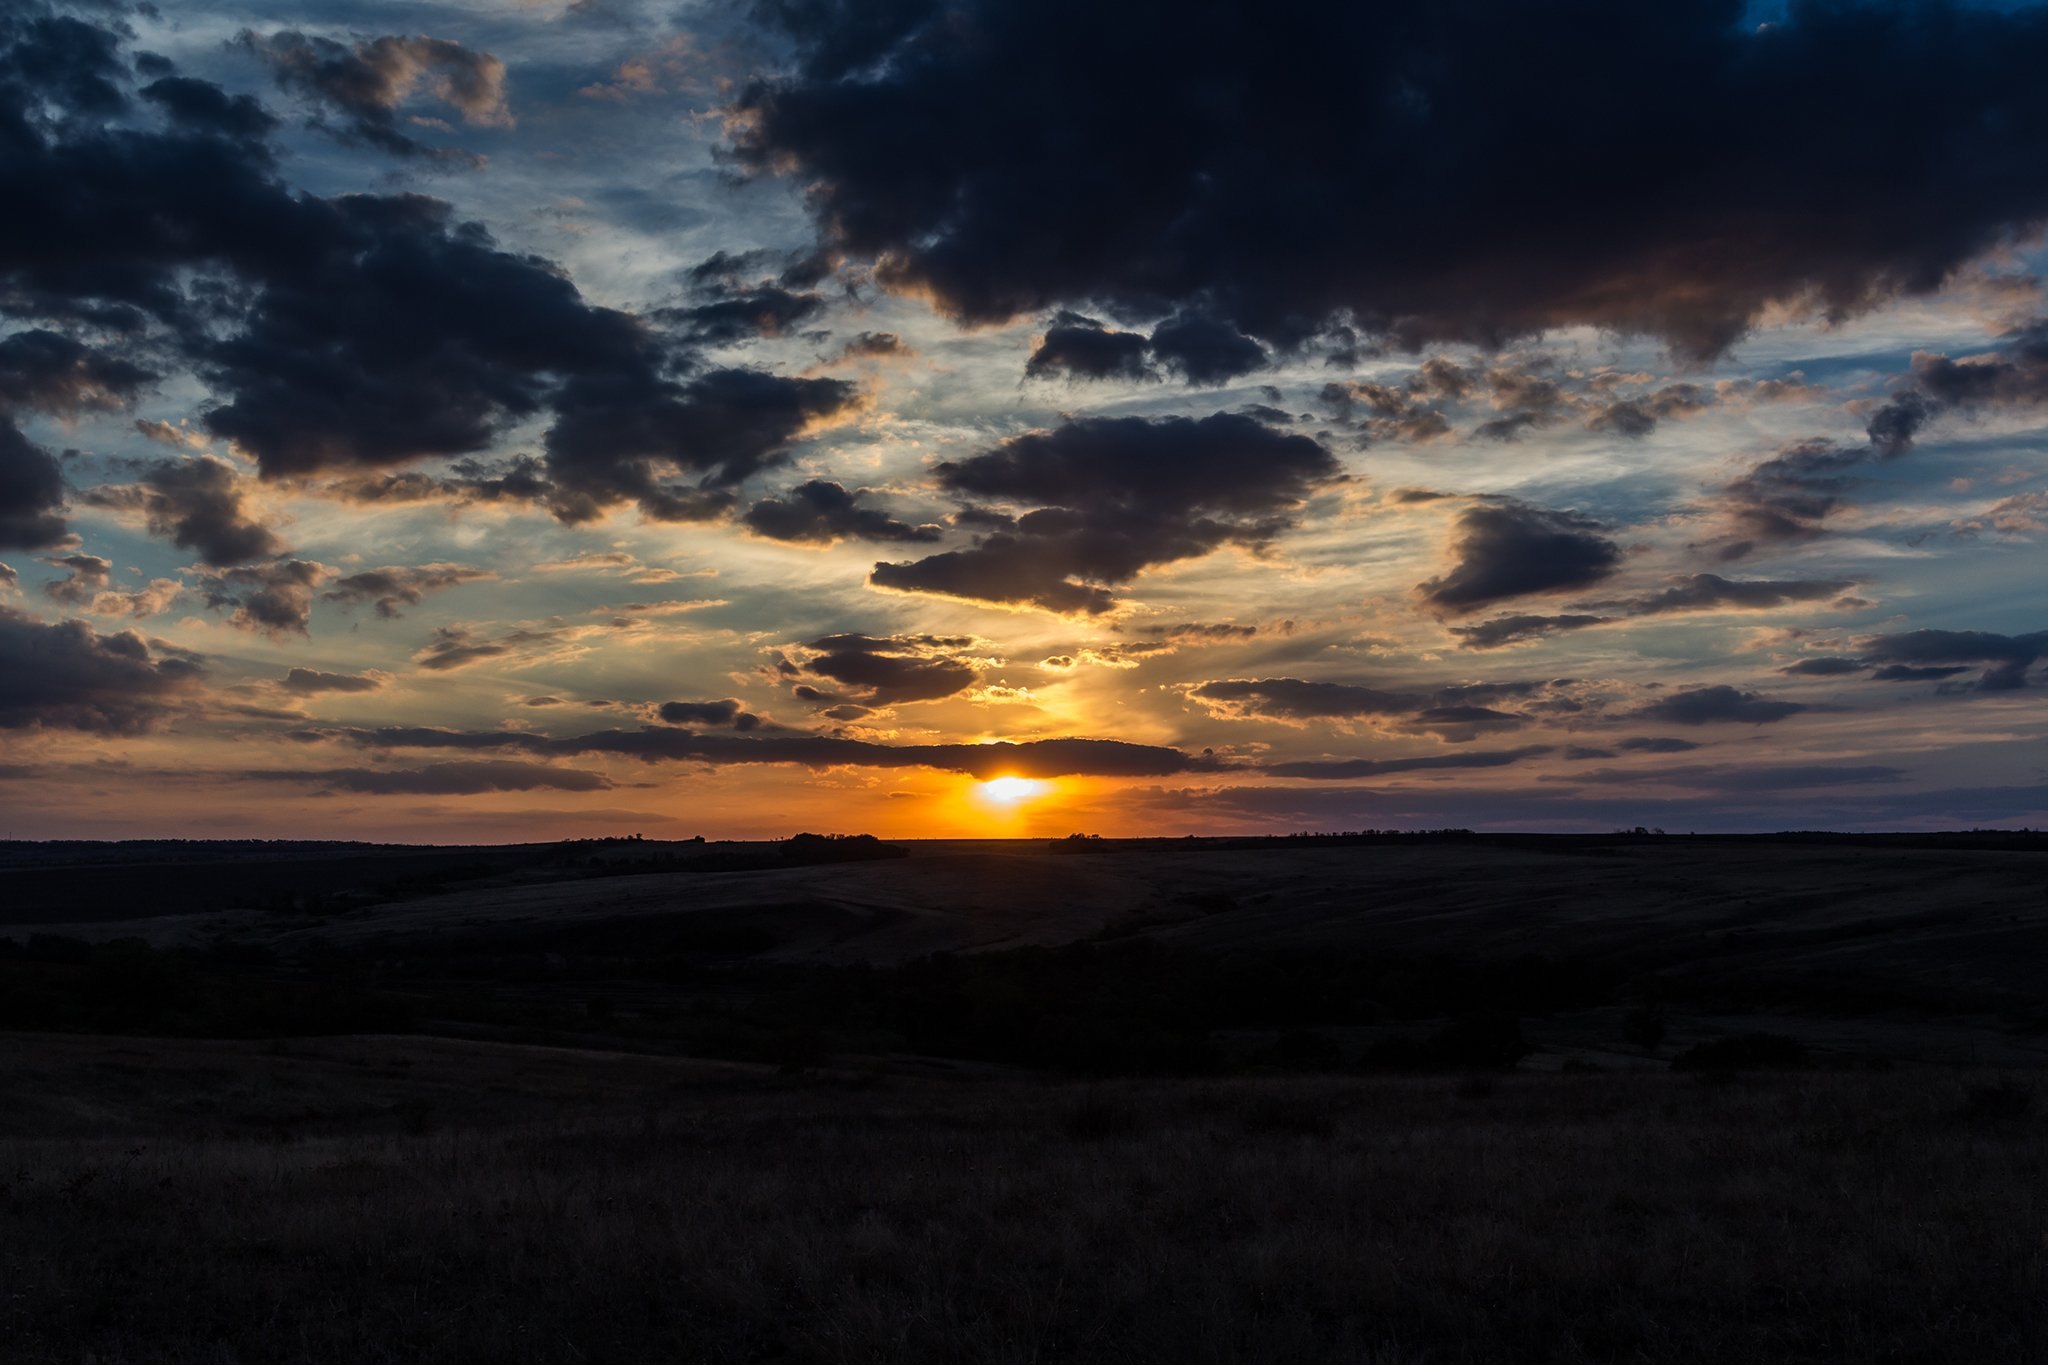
point(808, 849)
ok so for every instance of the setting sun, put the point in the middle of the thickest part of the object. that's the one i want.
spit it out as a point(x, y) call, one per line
point(1008, 791)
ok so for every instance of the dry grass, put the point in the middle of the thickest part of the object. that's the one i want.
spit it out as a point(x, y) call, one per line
point(1821, 1217)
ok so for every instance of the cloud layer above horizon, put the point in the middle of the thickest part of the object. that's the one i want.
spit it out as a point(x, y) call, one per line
point(594, 417)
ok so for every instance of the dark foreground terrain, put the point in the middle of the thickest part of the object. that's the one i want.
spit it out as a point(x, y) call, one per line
point(1082, 957)
point(383, 1200)
point(1379, 1099)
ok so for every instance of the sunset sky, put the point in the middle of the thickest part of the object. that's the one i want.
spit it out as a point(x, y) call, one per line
point(522, 419)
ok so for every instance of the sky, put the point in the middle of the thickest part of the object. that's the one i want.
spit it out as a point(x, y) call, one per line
point(533, 419)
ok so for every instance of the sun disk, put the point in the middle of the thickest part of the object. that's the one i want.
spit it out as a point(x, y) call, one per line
point(1008, 791)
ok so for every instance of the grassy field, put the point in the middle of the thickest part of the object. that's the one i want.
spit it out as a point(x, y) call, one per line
point(385, 1199)
point(1395, 1101)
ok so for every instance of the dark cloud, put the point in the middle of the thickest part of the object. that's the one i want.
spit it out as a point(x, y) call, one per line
point(66, 676)
point(522, 478)
point(310, 681)
point(1205, 350)
point(397, 585)
point(1412, 410)
point(1343, 769)
point(1626, 418)
point(88, 582)
point(1911, 673)
point(1457, 714)
point(2009, 656)
point(1038, 568)
point(624, 436)
point(274, 598)
point(1348, 400)
point(891, 671)
point(1387, 414)
point(367, 83)
point(1440, 377)
point(2016, 374)
point(206, 108)
point(732, 312)
point(1718, 705)
point(1043, 758)
point(1209, 632)
point(726, 713)
point(1510, 549)
point(1653, 744)
point(84, 575)
point(1711, 592)
point(1296, 699)
point(1079, 347)
point(31, 493)
point(1830, 667)
point(1788, 497)
point(1931, 655)
point(1527, 397)
point(1117, 495)
point(724, 269)
point(43, 371)
point(822, 513)
point(766, 312)
point(1466, 717)
point(1893, 426)
point(397, 333)
point(1423, 173)
point(1510, 427)
point(197, 504)
point(474, 777)
point(874, 346)
point(432, 737)
point(1514, 630)
point(66, 61)
point(729, 272)
point(1636, 418)
point(459, 646)
point(363, 331)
